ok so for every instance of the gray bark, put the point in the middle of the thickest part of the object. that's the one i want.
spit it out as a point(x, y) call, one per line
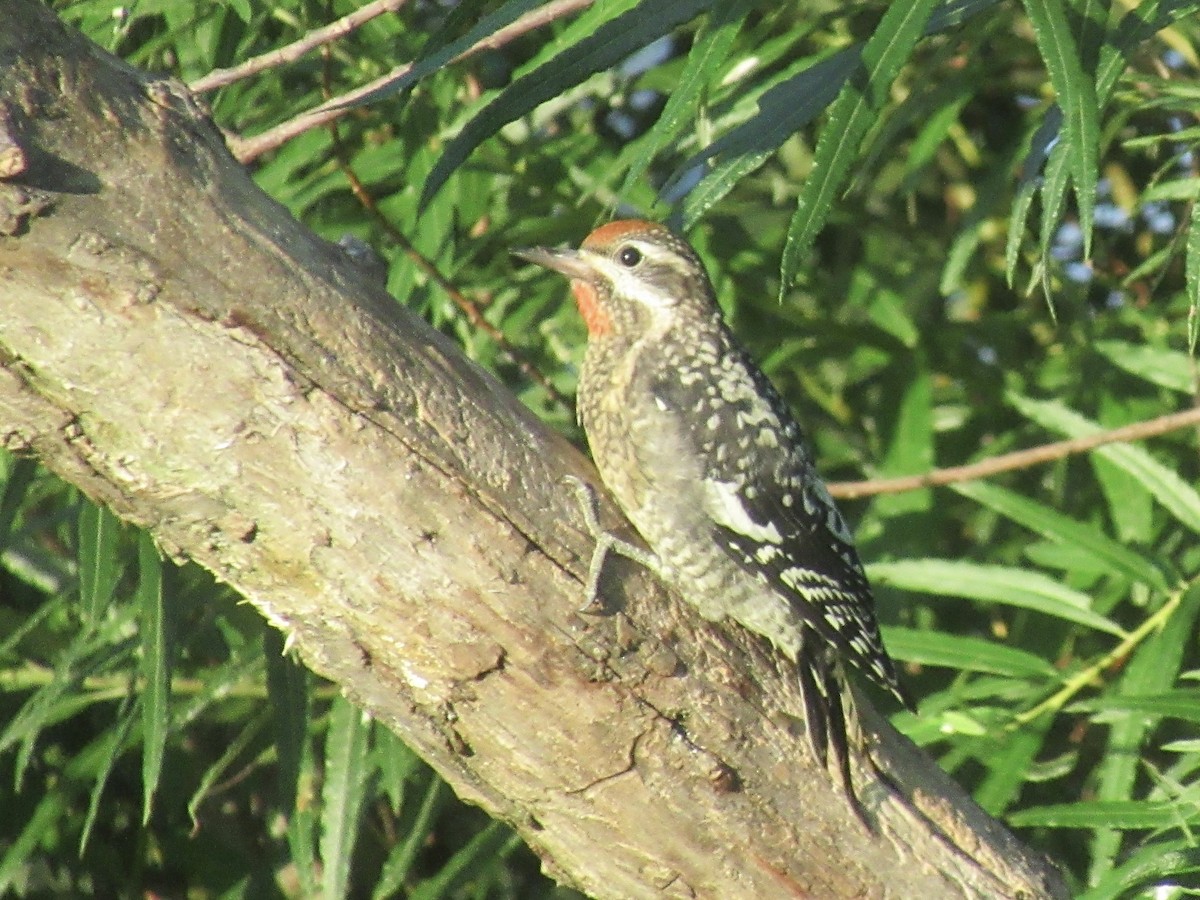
point(173, 343)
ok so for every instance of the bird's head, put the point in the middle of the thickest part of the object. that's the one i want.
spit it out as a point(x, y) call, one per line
point(630, 276)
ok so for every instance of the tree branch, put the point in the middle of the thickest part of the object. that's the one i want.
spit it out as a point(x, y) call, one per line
point(176, 345)
point(283, 55)
point(1019, 459)
point(249, 149)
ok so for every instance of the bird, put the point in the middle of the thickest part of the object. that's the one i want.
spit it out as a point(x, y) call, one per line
point(704, 458)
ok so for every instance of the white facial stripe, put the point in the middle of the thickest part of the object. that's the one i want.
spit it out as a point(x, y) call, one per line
point(629, 283)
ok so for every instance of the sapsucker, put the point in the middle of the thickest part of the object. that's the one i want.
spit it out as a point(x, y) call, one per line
point(702, 455)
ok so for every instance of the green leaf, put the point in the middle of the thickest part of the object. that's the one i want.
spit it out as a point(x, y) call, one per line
point(287, 691)
point(21, 472)
point(1102, 814)
point(59, 698)
point(1109, 555)
point(1018, 218)
point(1193, 279)
point(853, 113)
point(108, 748)
point(1179, 704)
point(1157, 861)
point(494, 841)
point(1054, 199)
point(1153, 669)
point(1077, 97)
point(1179, 497)
point(100, 563)
point(786, 107)
point(607, 46)
point(444, 54)
point(342, 794)
point(301, 834)
point(1181, 189)
point(155, 669)
point(782, 110)
point(968, 654)
point(397, 765)
point(995, 584)
point(1041, 145)
point(706, 57)
point(910, 450)
point(1172, 369)
point(400, 861)
point(235, 748)
point(1009, 763)
point(39, 828)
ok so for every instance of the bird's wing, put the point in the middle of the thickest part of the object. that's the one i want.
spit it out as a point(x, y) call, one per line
point(772, 513)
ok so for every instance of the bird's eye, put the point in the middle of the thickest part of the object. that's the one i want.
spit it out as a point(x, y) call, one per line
point(629, 256)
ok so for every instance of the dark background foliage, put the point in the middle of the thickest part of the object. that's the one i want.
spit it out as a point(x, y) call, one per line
point(948, 231)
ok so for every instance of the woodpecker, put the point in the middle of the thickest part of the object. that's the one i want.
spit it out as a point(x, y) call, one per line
point(704, 458)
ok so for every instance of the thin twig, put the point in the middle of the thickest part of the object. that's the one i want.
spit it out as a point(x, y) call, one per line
point(1092, 673)
point(333, 31)
point(248, 149)
point(1020, 459)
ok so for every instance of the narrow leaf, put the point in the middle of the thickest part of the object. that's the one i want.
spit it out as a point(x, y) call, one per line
point(610, 43)
point(400, 861)
point(342, 794)
point(709, 52)
point(1172, 369)
point(910, 448)
point(224, 762)
point(1054, 199)
point(444, 54)
point(109, 746)
point(40, 827)
point(21, 472)
point(995, 584)
point(853, 113)
point(99, 562)
point(1041, 143)
point(1156, 861)
point(1179, 704)
point(1193, 279)
point(1009, 765)
point(494, 841)
point(969, 654)
point(1077, 97)
point(1101, 814)
point(155, 669)
point(783, 109)
point(287, 691)
point(1153, 669)
point(1107, 554)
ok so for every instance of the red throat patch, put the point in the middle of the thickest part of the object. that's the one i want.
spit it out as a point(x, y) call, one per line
point(597, 320)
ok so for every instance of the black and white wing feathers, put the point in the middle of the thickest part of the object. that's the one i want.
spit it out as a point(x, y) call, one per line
point(773, 514)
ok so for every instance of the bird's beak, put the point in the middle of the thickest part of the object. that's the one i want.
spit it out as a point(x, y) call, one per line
point(569, 262)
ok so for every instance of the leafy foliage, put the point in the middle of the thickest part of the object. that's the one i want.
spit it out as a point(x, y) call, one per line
point(949, 230)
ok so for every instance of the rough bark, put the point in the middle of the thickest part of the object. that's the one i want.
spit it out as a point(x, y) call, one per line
point(173, 343)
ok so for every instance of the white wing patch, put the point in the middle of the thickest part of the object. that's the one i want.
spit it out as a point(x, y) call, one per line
point(723, 502)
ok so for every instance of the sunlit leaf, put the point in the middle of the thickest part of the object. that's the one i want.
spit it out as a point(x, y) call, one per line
point(937, 648)
point(995, 584)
